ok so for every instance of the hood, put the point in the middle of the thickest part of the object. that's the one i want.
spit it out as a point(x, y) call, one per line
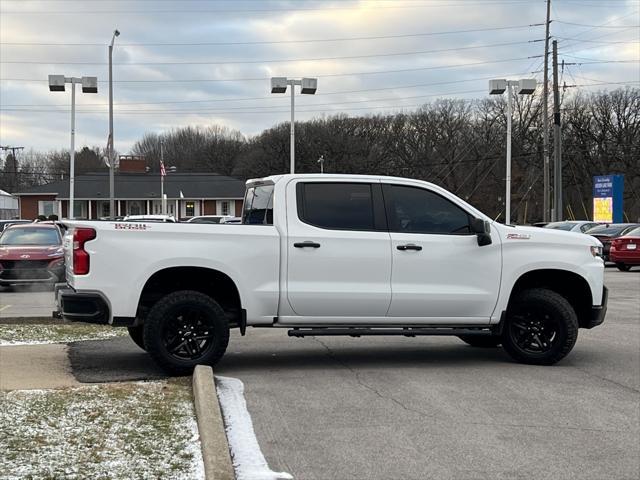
point(547, 235)
point(30, 252)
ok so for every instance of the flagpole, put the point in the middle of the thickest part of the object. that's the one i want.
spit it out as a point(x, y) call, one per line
point(162, 202)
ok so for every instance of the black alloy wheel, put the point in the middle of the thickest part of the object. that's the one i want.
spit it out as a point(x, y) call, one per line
point(184, 329)
point(541, 327)
point(188, 332)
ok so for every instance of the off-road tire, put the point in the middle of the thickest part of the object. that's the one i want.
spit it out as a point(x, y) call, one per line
point(622, 267)
point(137, 335)
point(533, 308)
point(481, 341)
point(162, 318)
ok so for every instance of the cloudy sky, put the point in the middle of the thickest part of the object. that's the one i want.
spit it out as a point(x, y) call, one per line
point(203, 62)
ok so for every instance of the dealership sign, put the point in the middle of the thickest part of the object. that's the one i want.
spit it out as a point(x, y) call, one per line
point(607, 198)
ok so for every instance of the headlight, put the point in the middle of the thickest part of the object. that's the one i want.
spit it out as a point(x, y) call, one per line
point(596, 251)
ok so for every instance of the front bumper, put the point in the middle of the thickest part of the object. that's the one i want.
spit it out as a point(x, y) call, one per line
point(26, 276)
point(87, 307)
point(598, 312)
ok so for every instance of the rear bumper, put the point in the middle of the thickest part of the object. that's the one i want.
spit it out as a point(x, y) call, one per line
point(598, 312)
point(87, 307)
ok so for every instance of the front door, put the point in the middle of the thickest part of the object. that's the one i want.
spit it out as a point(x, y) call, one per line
point(440, 273)
point(339, 251)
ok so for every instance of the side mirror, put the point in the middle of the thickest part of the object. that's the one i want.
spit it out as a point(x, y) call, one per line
point(482, 229)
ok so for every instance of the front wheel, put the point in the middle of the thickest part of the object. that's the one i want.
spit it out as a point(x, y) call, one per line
point(184, 329)
point(622, 267)
point(541, 327)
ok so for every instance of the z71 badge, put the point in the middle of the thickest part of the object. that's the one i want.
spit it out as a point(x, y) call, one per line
point(518, 236)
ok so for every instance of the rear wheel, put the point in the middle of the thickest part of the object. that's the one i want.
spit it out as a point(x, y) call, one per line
point(137, 335)
point(482, 341)
point(541, 327)
point(184, 329)
point(622, 267)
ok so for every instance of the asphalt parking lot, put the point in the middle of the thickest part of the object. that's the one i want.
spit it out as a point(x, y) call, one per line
point(381, 408)
point(26, 301)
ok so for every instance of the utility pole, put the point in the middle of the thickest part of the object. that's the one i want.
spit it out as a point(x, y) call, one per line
point(557, 141)
point(14, 159)
point(545, 119)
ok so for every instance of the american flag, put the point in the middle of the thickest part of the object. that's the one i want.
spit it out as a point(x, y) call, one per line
point(163, 172)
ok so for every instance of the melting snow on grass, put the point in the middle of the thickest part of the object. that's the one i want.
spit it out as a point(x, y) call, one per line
point(248, 461)
point(62, 333)
point(121, 431)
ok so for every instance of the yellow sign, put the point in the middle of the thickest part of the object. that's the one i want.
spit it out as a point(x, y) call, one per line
point(603, 210)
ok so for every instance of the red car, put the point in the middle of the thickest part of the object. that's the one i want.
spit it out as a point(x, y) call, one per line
point(625, 250)
point(31, 253)
point(607, 232)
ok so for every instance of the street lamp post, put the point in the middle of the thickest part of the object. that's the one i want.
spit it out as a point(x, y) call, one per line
point(116, 33)
point(307, 86)
point(497, 87)
point(89, 85)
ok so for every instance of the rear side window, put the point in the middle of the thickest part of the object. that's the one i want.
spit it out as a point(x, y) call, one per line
point(336, 206)
point(258, 206)
point(416, 210)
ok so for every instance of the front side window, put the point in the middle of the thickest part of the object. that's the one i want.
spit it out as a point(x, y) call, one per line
point(416, 210)
point(258, 206)
point(336, 206)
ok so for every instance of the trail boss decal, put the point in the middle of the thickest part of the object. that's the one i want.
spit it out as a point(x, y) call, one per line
point(518, 236)
point(131, 226)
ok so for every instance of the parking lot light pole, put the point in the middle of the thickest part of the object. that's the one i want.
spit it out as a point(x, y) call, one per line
point(497, 87)
point(89, 85)
point(307, 86)
point(116, 33)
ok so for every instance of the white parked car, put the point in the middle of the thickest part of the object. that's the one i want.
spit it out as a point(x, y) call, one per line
point(580, 226)
point(337, 255)
point(150, 218)
point(210, 219)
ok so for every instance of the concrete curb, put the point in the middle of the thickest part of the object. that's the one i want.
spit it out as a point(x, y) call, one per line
point(213, 439)
point(31, 321)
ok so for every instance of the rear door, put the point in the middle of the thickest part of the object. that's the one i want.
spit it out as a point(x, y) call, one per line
point(338, 249)
point(440, 274)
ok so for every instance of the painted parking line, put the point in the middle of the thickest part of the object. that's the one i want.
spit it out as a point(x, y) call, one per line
point(5, 307)
point(248, 460)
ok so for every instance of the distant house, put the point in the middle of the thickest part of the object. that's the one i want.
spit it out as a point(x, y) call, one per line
point(136, 193)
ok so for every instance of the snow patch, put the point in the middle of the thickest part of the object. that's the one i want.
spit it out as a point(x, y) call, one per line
point(248, 460)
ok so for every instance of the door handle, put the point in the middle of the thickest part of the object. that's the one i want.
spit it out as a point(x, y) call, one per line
point(409, 246)
point(306, 244)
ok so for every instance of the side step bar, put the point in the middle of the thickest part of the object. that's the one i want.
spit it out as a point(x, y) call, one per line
point(406, 331)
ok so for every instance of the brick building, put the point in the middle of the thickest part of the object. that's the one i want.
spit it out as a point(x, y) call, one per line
point(136, 193)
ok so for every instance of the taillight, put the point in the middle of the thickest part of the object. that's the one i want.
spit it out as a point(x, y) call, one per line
point(80, 256)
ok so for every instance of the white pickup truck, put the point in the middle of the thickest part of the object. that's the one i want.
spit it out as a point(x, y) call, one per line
point(336, 255)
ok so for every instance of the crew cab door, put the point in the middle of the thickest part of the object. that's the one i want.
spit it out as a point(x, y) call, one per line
point(338, 250)
point(439, 272)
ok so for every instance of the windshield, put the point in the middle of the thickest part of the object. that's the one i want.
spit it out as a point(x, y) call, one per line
point(560, 226)
point(30, 236)
point(610, 230)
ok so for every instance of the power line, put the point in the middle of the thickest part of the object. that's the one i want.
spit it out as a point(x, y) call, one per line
point(261, 10)
point(284, 60)
point(301, 110)
point(596, 26)
point(266, 97)
point(327, 75)
point(278, 42)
